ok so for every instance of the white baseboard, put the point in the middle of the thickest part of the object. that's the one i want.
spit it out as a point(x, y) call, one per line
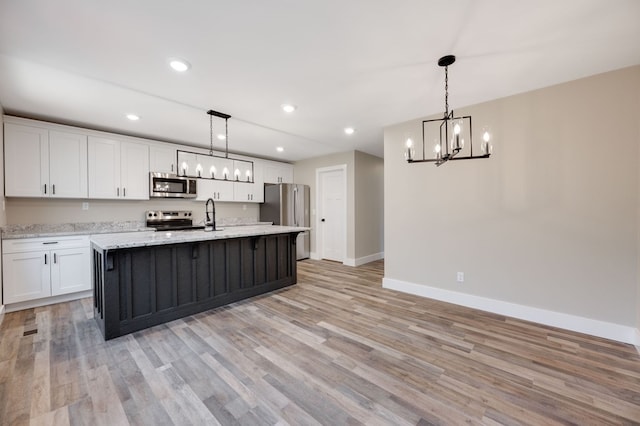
point(48, 301)
point(1, 314)
point(637, 342)
point(607, 330)
point(313, 255)
point(349, 261)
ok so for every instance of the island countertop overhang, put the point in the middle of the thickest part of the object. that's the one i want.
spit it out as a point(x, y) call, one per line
point(155, 238)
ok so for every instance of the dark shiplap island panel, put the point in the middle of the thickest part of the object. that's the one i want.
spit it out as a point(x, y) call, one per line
point(139, 287)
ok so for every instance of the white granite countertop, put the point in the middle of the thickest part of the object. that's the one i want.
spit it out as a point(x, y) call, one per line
point(39, 230)
point(144, 239)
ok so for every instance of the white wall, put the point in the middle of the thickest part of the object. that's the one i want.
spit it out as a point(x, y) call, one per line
point(550, 221)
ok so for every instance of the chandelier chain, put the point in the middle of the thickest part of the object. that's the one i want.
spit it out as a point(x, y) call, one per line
point(226, 137)
point(446, 91)
point(211, 134)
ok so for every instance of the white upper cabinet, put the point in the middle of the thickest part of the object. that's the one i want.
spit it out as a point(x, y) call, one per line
point(52, 160)
point(275, 172)
point(104, 168)
point(162, 158)
point(67, 164)
point(44, 163)
point(250, 192)
point(118, 170)
point(134, 171)
point(187, 164)
point(243, 171)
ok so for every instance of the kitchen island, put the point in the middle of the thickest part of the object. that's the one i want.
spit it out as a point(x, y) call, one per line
point(144, 279)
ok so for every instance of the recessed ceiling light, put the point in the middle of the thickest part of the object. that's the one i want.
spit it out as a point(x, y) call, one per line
point(221, 136)
point(280, 149)
point(179, 65)
point(349, 130)
point(133, 117)
point(289, 108)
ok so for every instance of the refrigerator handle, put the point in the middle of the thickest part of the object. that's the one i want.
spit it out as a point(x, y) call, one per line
point(295, 204)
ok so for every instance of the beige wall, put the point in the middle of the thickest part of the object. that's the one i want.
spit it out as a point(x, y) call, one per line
point(369, 205)
point(3, 215)
point(549, 221)
point(304, 172)
point(34, 210)
point(638, 215)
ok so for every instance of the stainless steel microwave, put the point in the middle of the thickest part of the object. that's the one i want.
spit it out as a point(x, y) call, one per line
point(168, 185)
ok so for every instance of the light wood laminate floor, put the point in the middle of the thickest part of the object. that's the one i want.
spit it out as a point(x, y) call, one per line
point(334, 349)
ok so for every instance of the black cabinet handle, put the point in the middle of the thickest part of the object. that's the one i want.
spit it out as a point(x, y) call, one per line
point(322, 220)
point(53, 189)
point(51, 242)
point(45, 258)
point(45, 188)
point(55, 258)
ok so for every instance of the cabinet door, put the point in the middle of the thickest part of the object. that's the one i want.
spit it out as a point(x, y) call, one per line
point(223, 168)
point(250, 192)
point(243, 171)
point(187, 163)
point(134, 171)
point(104, 168)
point(26, 161)
point(286, 173)
point(258, 183)
point(67, 165)
point(205, 166)
point(278, 172)
point(162, 159)
point(70, 270)
point(216, 189)
point(26, 276)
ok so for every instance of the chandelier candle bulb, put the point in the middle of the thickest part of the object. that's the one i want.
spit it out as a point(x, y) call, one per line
point(408, 155)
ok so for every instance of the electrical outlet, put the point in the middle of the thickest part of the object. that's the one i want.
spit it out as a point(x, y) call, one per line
point(460, 277)
point(85, 206)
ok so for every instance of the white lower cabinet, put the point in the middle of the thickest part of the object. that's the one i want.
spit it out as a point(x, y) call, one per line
point(26, 276)
point(34, 268)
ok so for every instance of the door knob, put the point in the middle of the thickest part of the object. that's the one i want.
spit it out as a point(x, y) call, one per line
point(322, 220)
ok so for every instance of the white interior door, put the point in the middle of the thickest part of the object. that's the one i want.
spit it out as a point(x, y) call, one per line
point(332, 214)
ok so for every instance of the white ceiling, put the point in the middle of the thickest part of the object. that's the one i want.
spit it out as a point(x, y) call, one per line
point(359, 63)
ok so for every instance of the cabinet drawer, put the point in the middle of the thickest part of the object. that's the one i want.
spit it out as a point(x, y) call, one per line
point(22, 245)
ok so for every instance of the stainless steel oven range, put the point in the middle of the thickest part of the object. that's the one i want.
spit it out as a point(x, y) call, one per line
point(171, 220)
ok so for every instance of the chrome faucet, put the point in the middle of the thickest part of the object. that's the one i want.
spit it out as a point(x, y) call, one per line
point(210, 216)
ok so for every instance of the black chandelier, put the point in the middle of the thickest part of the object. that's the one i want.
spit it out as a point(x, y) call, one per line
point(448, 132)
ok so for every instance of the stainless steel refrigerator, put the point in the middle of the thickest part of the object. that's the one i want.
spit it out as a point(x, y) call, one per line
point(287, 204)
